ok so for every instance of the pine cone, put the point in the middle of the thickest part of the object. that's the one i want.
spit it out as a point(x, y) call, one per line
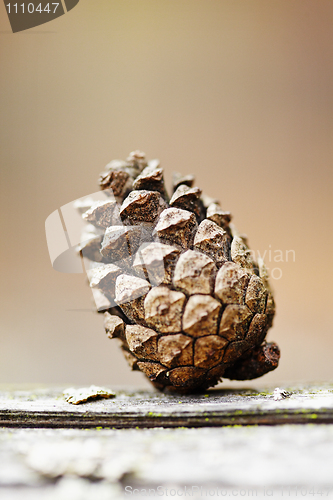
point(181, 289)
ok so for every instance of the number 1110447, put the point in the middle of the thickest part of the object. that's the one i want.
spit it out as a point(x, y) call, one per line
point(18, 8)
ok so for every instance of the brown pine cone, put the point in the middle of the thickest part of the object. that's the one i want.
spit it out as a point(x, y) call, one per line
point(180, 287)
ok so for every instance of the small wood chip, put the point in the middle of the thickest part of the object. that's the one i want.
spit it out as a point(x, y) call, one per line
point(121, 166)
point(77, 396)
point(116, 165)
point(280, 394)
point(175, 350)
point(201, 315)
point(270, 306)
point(212, 240)
point(194, 273)
point(231, 282)
point(176, 226)
point(234, 232)
point(163, 309)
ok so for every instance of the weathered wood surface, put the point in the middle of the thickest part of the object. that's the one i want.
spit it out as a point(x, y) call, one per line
point(76, 464)
point(99, 463)
point(48, 408)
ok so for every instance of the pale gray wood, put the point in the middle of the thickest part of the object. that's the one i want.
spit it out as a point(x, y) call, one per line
point(48, 408)
point(95, 461)
point(78, 464)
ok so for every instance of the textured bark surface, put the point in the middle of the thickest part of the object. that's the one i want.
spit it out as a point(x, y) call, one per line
point(143, 408)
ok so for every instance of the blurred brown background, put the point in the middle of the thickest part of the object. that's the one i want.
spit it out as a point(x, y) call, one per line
point(237, 92)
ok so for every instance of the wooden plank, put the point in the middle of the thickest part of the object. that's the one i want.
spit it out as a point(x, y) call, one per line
point(49, 464)
point(142, 409)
